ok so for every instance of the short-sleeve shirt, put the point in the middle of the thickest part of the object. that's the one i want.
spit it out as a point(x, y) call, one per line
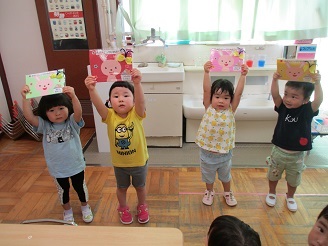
point(216, 131)
point(128, 147)
point(62, 147)
point(293, 128)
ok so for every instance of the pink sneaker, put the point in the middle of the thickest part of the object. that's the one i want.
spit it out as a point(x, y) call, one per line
point(143, 215)
point(125, 215)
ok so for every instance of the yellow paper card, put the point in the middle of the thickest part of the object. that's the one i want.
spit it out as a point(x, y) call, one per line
point(296, 70)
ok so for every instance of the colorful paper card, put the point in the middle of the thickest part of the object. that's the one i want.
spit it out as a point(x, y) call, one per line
point(296, 70)
point(111, 65)
point(227, 60)
point(46, 83)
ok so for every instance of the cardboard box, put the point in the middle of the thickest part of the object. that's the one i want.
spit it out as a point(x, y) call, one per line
point(296, 70)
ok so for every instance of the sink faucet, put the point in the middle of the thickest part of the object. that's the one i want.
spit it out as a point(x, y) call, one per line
point(151, 38)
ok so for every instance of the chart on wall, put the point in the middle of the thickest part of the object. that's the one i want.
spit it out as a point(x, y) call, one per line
point(66, 19)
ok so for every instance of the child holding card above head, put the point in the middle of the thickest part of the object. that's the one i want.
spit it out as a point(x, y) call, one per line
point(292, 134)
point(216, 133)
point(127, 139)
point(60, 121)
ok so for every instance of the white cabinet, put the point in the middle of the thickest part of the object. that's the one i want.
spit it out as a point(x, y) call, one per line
point(163, 124)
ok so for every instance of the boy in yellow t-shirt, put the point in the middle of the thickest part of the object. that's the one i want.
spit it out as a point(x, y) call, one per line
point(127, 140)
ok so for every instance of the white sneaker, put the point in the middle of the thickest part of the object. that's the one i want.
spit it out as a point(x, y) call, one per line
point(87, 215)
point(230, 199)
point(208, 197)
point(68, 216)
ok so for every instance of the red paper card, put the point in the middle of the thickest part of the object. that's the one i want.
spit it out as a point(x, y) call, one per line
point(111, 65)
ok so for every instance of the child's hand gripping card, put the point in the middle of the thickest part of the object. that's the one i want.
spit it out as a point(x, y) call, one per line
point(46, 83)
point(227, 60)
point(296, 70)
point(111, 65)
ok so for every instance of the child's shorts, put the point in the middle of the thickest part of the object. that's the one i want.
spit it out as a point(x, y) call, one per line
point(123, 176)
point(291, 163)
point(212, 163)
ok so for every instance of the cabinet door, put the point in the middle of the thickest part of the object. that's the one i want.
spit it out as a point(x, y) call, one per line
point(164, 115)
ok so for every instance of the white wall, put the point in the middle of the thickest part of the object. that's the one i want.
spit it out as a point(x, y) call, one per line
point(21, 45)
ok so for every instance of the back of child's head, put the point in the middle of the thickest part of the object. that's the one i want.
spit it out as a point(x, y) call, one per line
point(223, 85)
point(324, 213)
point(50, 101)
point(116, 84)
point(228, 230)
point(306, 87)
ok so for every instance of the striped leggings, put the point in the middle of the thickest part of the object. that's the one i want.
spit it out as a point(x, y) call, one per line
point(79, 185)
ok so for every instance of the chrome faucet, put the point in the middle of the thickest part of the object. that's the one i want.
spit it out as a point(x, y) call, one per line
point(151, 38)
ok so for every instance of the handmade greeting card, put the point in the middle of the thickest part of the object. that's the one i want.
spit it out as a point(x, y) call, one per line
point(46, 83)
point(227, 60)
point(111, 65)
point(296, 70)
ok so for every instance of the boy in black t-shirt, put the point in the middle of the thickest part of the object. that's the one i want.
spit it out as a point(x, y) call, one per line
point(292, 134)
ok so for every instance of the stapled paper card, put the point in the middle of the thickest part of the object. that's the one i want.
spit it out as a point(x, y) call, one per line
point(227, 60)
point(296, 70)
point(111, 65)
point(46, 83)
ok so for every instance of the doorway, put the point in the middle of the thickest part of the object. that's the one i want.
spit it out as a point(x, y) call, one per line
point(69, 29)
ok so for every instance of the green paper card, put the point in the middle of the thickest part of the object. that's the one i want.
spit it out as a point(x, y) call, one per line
point(46, 83)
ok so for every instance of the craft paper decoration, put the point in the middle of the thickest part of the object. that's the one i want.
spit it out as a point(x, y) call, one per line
point(46, 83)
point(111, 65)
point(227, 60)
point(296, 70)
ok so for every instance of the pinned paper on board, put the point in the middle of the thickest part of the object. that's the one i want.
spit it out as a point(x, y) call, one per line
point(111, 65)
point(227, 60)
point(296, 70)
point(46, 83)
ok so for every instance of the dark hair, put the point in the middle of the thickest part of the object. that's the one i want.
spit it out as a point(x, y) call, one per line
point(48, 102)
point(324, 213)
point(228, 230)
point(224, 85)
point(307, 87)
point(124, 84)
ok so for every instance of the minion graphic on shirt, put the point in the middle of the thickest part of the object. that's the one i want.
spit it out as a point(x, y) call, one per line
point(123, 135)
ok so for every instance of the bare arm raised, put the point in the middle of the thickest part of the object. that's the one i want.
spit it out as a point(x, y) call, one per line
point(277, 99)
point(240, 87)
point(75, 101)
point(318, 94)
point(90, 83)
point(27, 110)
point(207, 85)
point(139, 98)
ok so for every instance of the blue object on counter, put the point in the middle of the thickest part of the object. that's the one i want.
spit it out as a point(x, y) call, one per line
point(177, 42)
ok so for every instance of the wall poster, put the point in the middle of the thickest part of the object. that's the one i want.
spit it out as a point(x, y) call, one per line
point(66, 21)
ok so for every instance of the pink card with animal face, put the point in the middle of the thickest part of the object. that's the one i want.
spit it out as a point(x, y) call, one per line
point(227, 60)
point(46, 83)
point(111, 65)
point(296, 70)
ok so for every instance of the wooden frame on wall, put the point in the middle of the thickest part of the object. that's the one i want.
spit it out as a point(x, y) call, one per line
point(5, 86)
